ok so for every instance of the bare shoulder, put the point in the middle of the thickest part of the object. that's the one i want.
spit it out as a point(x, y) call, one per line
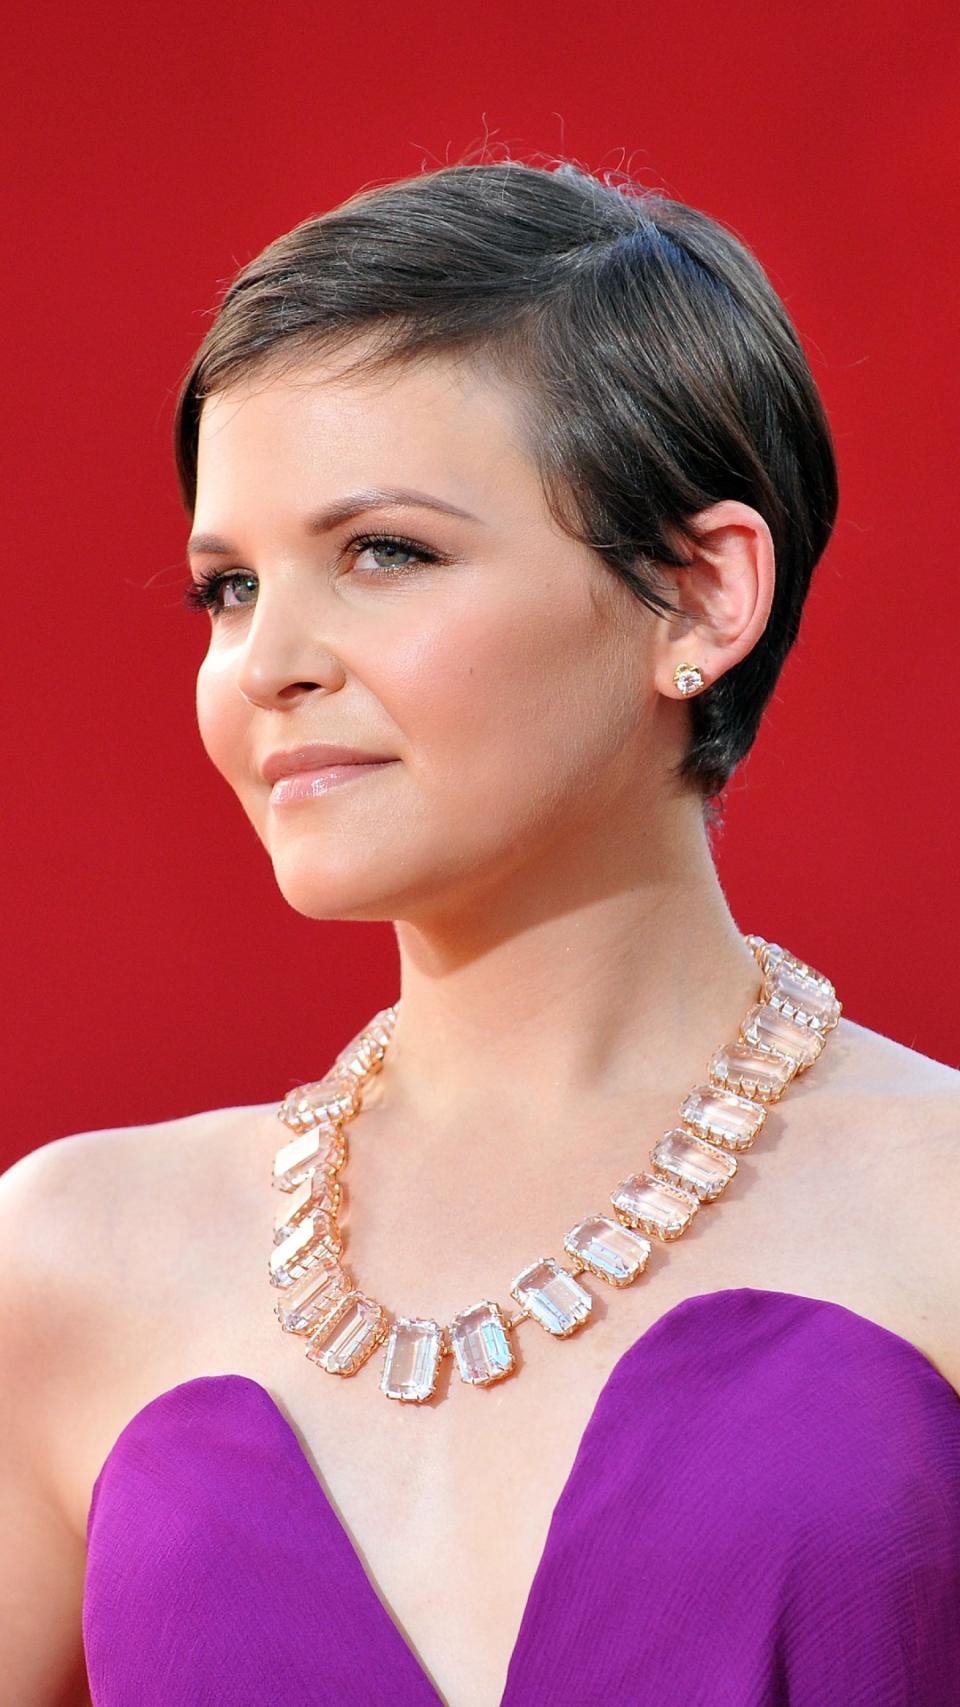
point(70, 1205)
point(893, 1114)
point(76, 1212)
point(870, 1052)
point(866, 1064)
point(900, 1107)
point(75, 1184)
point(87, 1218)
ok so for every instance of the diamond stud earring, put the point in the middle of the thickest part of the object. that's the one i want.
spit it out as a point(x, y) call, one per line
point(689, 678)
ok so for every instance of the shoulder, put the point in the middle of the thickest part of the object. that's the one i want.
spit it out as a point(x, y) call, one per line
point(893, 1111)
point(879, 1114)
point(70, 1208)
point(897, 1117)
point(894, 1115)
point(86, 1215)
point(858, 1063)
point(77, 1185)
point(65, 1204)
point(102, 1169)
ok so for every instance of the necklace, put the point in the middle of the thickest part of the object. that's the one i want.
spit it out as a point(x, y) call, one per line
point(690, 1165)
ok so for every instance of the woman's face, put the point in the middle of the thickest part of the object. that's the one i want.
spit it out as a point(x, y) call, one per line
point(509, 681)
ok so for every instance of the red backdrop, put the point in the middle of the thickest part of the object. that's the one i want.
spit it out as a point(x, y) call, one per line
point(153, 968)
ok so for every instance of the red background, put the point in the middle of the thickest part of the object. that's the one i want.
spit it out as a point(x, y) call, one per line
point(153, 968)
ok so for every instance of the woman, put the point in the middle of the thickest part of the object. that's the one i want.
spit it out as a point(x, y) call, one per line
point(527, 475)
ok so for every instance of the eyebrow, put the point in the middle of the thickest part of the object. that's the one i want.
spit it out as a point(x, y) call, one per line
point(321, 521)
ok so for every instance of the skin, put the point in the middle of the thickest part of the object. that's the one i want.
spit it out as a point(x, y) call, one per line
point(568, 963)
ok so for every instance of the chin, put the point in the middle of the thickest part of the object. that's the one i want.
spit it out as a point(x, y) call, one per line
point(317, 889)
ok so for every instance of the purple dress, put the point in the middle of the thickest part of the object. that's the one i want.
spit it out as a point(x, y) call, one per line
point(764, 1511)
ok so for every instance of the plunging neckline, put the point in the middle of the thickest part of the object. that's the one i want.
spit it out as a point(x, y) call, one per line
point(379, 1607)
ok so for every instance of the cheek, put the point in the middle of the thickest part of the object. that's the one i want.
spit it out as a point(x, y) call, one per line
point(220, 716)
point(519, 709)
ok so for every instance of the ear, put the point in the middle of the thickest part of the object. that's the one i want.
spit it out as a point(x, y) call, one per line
point(723, 593)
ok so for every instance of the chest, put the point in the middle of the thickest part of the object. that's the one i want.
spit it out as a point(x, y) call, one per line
point(454, 1585)
point(449, 1506)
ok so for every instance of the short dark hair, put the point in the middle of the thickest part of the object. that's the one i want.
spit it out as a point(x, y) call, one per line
point(656, 367)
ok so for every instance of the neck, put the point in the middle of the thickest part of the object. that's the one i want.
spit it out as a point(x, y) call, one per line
point(601, 974)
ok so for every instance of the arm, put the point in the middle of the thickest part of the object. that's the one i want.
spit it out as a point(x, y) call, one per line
point(42, 1556)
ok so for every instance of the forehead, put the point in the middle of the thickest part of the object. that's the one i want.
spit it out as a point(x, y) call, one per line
point(393, 423)
point(296, 441)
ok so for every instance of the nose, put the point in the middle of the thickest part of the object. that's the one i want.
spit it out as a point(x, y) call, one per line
point(282, 657)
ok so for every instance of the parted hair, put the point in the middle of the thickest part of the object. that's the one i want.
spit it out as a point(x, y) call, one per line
point(655, 367)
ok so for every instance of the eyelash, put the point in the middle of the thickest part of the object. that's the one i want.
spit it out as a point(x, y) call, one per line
point(204, 592)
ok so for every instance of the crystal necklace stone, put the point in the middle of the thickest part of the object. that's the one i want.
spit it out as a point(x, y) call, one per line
point(804, 997)
point(770, 1029)
point(335, 1098)
point(323, 1145)
point(552, 1297)
point(411, 1363)
point(800, 993)
point(348, 1334)
point(317, 1191)
point(752, 1072)
point(662, 1210)
point(733, 1121)
point(304, 1248)
point(608, 1249)
point(693, 1164)
point(480, 1345)
point(309, 1303)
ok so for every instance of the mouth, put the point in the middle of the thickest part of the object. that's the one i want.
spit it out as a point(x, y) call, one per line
point(310, 785)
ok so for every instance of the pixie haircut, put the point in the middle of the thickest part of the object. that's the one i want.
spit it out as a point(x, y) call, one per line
point(655, 368)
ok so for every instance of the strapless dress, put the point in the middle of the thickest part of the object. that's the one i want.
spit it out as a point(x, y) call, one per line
point(763, 1511)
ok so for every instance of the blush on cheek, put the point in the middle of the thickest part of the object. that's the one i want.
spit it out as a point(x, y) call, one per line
point(221, 722)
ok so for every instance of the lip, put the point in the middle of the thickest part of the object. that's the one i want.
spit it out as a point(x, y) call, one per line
point(307, 785)
point(315, 757)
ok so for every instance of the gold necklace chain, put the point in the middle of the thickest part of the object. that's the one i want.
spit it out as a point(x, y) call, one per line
point(690, 1165)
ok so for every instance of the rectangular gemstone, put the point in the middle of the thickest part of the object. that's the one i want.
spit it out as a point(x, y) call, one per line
point(610, 1250)
point(694, 1164)
point(723, 1117)
point(769, 1029)
point(323, 1146)
point(663, 1210)
point(310, 1301)
point(553, 1296)
point(302, 1251)
point(412, 1360)
point(750, 1072)
point(364, 1054)
point(480, 1344)
point(347, 1336)
point(317, 1191)
point(324, 1103)
point(802, 994)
